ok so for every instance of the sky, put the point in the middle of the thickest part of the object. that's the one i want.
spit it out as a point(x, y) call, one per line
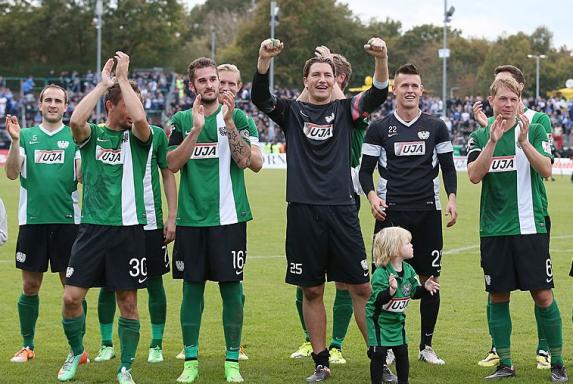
point(475, 18)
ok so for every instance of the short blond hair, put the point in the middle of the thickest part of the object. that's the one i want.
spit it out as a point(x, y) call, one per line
point(387, 244)
point(230, 68)
point(508, 83)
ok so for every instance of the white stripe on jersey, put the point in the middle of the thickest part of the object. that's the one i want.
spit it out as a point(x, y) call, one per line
point(444, 147)
point(23, 209)
point(382, 188)
point(148, 198)
point(75, 203)
point(128, 201)
point(437, 203)
point(227, 211)
point(371, 149)
point(524, 192)
point(529, 114)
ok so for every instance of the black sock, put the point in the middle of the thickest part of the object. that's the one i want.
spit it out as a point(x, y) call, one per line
point(377, 357)
point(402, 363)
point(321, 358)
point(429, 308)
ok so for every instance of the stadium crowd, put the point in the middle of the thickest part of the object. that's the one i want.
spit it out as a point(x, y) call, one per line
point(166, 93)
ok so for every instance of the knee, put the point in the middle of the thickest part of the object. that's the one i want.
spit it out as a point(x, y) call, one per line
point(543, 298)
point(72, 302)
point(362, 291)
point(313, 293)
point(127, 304)
point(31, 287)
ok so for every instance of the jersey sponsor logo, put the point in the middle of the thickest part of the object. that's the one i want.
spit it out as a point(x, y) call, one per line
point(20, 257)
point(69, 272)
point(109, 156)
point(503, 164)
point(396, 305)
point(205, 151)
point(330, 118)
point(63, 144)
point(317, 131)
point(423, 135)
point(410, 148)
point(49, 157)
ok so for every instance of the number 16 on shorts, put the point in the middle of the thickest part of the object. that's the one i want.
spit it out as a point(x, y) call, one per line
point(239, 261)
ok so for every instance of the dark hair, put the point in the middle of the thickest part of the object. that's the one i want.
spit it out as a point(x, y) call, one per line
point(114, 95)
point(314, 60)
point(56, 87)
point(342, 66)
point(202, 62)
point(514, 71)
point(407, 69)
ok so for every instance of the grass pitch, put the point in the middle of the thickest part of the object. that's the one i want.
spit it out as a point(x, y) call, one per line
point(272, 331)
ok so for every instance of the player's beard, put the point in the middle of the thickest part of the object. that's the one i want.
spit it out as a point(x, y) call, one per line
point(208, 100)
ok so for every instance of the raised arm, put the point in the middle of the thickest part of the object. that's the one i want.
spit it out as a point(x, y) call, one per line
point(14, 160)
point(83, 111)
point(240, 149)
point(133, 104)
point(177, 158)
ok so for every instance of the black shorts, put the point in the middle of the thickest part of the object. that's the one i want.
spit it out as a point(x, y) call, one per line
point(324, 239)
point(156, 253)
point(39, 243)
point(210, 253)
point(426, 229)
point(108, 256)
point(516, 262)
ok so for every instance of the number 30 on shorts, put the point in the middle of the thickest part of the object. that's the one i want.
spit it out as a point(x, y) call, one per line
point(138, 267)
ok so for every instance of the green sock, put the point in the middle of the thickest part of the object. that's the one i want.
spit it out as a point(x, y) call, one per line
point(128, 330)
point(232, 318)
point(105, 314)
point(191, 310)
point(341, 315)
point(243, 294)
point(85, 307)
point(28, 308)
point(299, 311)
point(541, 340)
point(488, 315)
point(550, 320)
point(157, 310)
point(73, 329)
point(500, 325)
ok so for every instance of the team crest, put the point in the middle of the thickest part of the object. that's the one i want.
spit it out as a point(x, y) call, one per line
point(329, 118)
point(487, 279)
point(20, 257)
point(244, 133)
point(364, 264)
point(423, 135)
point(223, 131)
point(180, 265)
point(63, 144)
point(69, 272)
point(406, 289)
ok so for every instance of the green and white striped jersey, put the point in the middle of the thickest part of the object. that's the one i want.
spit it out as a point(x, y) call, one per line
point(113, 167)
point(511, 197)
point(48, 177)
point(156, 159)
point(212, 187)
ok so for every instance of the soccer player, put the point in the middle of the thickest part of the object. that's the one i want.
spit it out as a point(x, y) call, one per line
point(110, 248)
point(157, 236)
point(210, 144)
point(409, 148)
point(323, 234)
point(47, 161)
point(342, 308)
point(543, 359)
point(230, 81)
point(510, 157)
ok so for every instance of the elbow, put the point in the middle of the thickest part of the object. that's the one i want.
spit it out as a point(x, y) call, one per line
point(172, 164)
point(11, 175)
point(75, 123)
point(256, 168)
point(474, 179)
point(546, 171)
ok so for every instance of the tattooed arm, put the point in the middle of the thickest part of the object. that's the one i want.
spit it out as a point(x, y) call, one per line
point(240, 149)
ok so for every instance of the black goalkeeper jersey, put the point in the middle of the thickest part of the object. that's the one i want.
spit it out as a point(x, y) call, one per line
point(318, 139)
point(409, 156)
